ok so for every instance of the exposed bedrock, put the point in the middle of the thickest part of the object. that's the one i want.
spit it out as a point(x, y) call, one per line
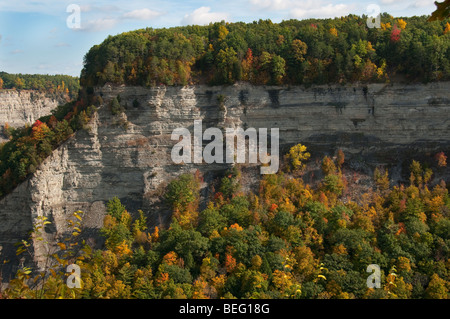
point(128, 155)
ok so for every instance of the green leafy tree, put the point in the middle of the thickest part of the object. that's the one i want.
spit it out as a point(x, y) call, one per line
point(182, 191)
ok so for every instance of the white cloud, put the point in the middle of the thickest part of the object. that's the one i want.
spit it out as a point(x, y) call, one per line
point(273, 4)
point(390, 1)
point(203, 16)
point(324, 11)
point(86, 8)
point(104, 8)
point(101, 24)
point(423, 3)
point(305, 8)
point(54, 7)
point(17, 51)
point(142, 14)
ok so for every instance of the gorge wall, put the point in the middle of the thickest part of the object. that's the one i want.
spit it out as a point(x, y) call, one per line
point(20, 107)
point(128, 155)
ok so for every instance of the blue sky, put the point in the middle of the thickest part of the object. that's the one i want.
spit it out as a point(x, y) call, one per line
point(35, 37)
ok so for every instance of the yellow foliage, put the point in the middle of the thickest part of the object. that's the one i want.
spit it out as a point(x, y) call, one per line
point(333, 288)
point(140, 237)
point(333, 31)
point(305, 265)
point(214, 234)
point(282, 280)
point(109, 261)
point(218, 282)
point(401, 23)
point(403, 264)
point(435, 204)
point(256, 262)
point(422, 217)
point(186, 218)
point(119, 291)
point(109, 222)
point(123, 249)
point(297, 155)
point(385, 26)
point(340, 250)
point(200, 290)
point(381, 71)
point(437, 288)
point(223, 32)
point(288, 206)
point(125, 219)
point(289, 259)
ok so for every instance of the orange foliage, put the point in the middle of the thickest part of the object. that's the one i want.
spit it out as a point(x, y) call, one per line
point(171, 258)
point(155, 235)
point(200, 290)
point(40, 130)
point(230, 263)
point(323, 199)
point(247, 65)
point(163, 278)
point(441, 159)
point(447, 28)
point(236, 227)
point(401, 229)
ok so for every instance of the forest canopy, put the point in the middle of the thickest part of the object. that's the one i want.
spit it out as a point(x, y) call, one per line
point(312, 51)
point(287, 239)
point(58, 84)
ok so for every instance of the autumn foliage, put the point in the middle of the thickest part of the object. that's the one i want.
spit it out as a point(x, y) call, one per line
point(286, 240)
point(318, 51)
point(30, 145)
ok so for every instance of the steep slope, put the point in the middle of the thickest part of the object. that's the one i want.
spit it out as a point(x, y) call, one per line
point(128, 155)
point(20, 107)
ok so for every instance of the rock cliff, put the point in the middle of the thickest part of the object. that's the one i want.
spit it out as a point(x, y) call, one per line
point(20, 107)
point(128, 155)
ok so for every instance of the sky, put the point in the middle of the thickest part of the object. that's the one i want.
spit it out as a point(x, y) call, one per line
point(52, 36)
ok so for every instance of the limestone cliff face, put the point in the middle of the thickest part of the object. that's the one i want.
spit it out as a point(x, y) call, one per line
point(20, 107)
point(128, 156)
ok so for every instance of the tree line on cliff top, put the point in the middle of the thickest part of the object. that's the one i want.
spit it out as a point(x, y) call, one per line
point(54, 84)
point(313, 51)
